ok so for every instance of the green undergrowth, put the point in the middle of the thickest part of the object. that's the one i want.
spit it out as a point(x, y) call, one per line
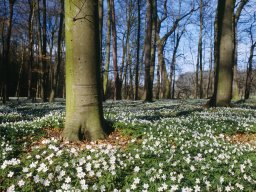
point(172, 146)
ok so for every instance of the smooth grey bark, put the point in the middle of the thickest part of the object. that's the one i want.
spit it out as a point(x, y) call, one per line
point(223, 55)
point(84, 114)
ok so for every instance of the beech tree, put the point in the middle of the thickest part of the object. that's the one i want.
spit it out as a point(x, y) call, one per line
point(6, 54)
point(84, 115)
point(148, 94)
point(223, 55)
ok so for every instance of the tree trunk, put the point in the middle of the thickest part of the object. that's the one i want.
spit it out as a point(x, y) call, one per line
point(44, 57)
point(173, 62)
point(165, 82)
point(249, 77)
point(148, 89)
point(100, 10)
point(56, 78)
point(37, 83)
point(106, 68)
point(209, 83)
point(6, 55)
point(117, 80)
point(31, 45)
point(200, 50)
point(17, 93)
point(236, 18)
point(224, 60)
point(84, 115)
point(136, 95)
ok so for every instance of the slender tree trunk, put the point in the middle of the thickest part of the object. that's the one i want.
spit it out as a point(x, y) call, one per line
point(173, 62)
point(117, 80)
point(200, 50)
point(153, 48)
point(100, 10)
point(17, 93)
point(165, 83)
point(38, 73)
point(148, 89)
point(3, 48)
point(44, 55)
point(209, 84)
point(31, 45)
point(84, 115)
point(56, 78)
point(136, 95)
point(158, 85)
point(249, 77)
point(126, 50)
point(106, 69)
point(236, 17)
point(6, 55)
point(130, 91)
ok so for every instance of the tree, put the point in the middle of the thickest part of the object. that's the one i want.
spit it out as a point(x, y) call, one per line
point(161, 43)
point(136, 95)
point(59, 55)
point(6, 53)
point(44, 55)
point(148, 89)
point(249, 76)
point(236, 17)
point(117, 80)
point(199, 65)
point(223, 55)
point(84, 115)
point(106, 67)
point(31, 89)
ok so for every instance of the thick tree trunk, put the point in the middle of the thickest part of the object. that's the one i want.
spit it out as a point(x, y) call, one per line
point(148, 89)
point(84, 115)
point(224, 60)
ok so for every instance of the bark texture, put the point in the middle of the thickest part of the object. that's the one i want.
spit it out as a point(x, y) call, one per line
point(84, 116)
point(223, 55)
point(148, 89)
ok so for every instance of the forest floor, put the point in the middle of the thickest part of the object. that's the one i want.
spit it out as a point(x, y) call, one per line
point(168, 145)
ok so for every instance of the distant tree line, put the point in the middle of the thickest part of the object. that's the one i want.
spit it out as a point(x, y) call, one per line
point(144, 47)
